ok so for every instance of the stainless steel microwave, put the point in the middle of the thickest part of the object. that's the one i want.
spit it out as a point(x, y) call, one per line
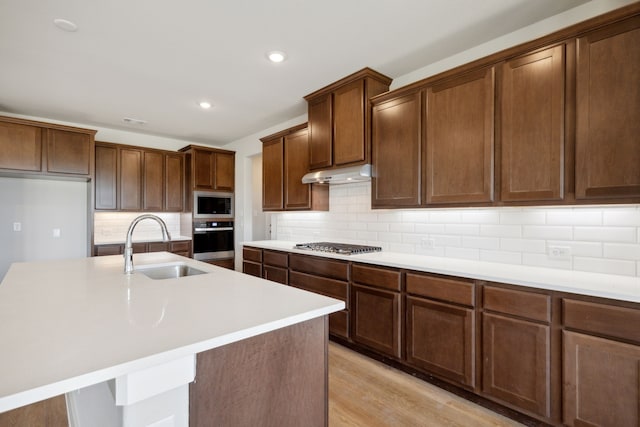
point(207, 204)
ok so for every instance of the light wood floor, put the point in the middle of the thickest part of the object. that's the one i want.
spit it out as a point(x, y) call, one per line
point(364, 392)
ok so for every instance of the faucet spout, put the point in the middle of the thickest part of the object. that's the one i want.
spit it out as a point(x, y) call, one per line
point(128, 247)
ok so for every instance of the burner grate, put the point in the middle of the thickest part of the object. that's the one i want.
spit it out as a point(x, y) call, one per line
point(338, 248)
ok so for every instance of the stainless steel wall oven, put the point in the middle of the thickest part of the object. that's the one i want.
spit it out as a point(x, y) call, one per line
point(212, 239)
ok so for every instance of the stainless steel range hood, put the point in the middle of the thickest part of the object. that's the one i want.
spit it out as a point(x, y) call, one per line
point(339, 176)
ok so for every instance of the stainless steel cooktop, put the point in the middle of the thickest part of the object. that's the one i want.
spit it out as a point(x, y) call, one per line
point(338, 248)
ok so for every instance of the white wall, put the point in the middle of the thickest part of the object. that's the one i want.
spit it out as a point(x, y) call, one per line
point(41, 206)
point(601, 239)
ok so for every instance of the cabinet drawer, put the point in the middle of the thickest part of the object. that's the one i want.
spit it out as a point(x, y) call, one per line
point(329, 287)
point(378, 277)
point(158, 246)
point(180, 246)
point(618, 322)
point(101, 250)
point(446, 289)
point(275, 274)
point(276, 259)
point(252, 268)
point(320, 266)
point(252, 254)
point(524, 304)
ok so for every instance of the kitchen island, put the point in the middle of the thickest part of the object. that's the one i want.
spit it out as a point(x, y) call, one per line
point(72, 324)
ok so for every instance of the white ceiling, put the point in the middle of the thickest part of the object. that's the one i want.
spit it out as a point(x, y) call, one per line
point(156, 59)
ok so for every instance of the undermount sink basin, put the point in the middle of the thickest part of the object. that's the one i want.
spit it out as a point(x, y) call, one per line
point(168, 271)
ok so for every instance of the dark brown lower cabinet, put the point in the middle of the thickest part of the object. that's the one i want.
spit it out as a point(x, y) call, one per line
point(275, 266)
point(441, 339)
point(228, 263)
point(181, 247)
point(274, 379)
point(601, 382)
point(252, 261)
point(376, 319)
point(276, 274)
point(516, 363)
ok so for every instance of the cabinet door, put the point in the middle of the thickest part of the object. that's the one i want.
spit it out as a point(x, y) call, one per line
point(130, 179)
point(296, 163)
point(68, 152)
point(348, 124)
point(516, 362)
point(396, 150)
point(376, 319)
point(174, 183)
point(101, 250)
point(203, 169)
point(224, 171)
point(272, 175)
point(459, 154)
point(276, 274)
point(21, 147)
point(252, 268)
point(320, 133)
point(440, 339)
point(601, 382)
point(532, 117)
point(106, 177)
point(608, 107)
point(153, 180)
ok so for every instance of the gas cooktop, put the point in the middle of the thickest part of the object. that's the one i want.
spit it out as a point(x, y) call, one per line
point(338, 248)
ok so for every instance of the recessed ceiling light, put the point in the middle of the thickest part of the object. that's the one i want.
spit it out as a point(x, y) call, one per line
point(65, 25)
point(276, 56)
point(130, 121)
point(204, 105)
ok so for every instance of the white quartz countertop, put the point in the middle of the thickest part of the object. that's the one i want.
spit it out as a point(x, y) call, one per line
point(69, 324)
point(624, 288)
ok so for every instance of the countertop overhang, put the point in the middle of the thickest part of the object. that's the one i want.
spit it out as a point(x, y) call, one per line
point(623, 288)
point(68, 324)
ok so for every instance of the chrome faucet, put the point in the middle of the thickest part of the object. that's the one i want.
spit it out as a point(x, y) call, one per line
point(128, 247)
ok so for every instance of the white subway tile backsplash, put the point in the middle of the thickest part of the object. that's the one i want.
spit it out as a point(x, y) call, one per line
point(415, 216)
point(603, 238)
point(500, 256)
point(464, 253)
point(606, 266)
point(622, 251)
point(484, 216)
point(480, 242)
point(542, 260)
point(523, 245)
point(463, 229)
point(519, 216)
point(445, 216)
point(547, 232)
point(430, 228)
point(588, 249)
point(574, 216)
point(606, 234)
point(622, 217)
point(501, 230)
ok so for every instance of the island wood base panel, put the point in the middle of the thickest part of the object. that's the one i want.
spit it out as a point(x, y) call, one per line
point(275, 379)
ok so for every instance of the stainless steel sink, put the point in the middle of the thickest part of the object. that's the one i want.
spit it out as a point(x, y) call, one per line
point(168, 271)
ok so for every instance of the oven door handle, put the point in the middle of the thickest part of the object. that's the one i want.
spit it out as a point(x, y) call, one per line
point(213, 229)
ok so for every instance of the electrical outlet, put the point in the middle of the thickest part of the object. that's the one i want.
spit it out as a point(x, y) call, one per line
point(56, 232)
point(427, 243)
point(559, 252)
point(17, 226)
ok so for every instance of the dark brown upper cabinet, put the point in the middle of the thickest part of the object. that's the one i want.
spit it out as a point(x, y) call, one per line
point(210, 168)
point(396, 146)
point(608, 113)
point(551, 121)
point(285, 160)
point(459, 139)
point(131, 178)
point(36, 148)
point(339, 120)
point(532, 126)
